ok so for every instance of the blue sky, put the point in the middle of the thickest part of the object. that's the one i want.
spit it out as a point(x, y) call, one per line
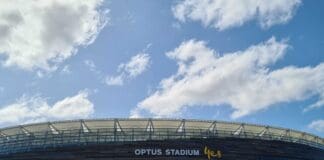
point(253, 62)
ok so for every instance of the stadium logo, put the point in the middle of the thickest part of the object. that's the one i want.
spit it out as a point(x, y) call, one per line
point(212, 153)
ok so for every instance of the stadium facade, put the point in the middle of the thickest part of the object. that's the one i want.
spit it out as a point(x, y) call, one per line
point(158, 139)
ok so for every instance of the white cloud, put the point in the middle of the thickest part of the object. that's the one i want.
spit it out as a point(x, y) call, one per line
point(90, 64)
point(243, 80)
point(317, 125)
point(35, 109)
point(93, 68)
point(316, 105)
point(38, 35)
point(135, 113)
point(223, 14)
point(115, 81)
point(66, 70)
point(137, 65)
point(133, 68)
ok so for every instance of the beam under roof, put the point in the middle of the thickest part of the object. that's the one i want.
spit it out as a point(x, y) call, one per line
point(25, 131)
point(264, 131)
point(213, 127)
point(117, 126)
point(182, 127)
point(53, 129)
point(239, 130)
point(84, 127)
point(150, 126)
point(4, 135)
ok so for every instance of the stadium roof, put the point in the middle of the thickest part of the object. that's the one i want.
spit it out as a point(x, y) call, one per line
point(93, 130)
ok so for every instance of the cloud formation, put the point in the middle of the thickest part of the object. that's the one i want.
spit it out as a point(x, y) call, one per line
point(66, 70)
point(224, 14)
point(41, 34)
point(243, 80)
point(134, 67)
point(36, 109)
point(317, 125)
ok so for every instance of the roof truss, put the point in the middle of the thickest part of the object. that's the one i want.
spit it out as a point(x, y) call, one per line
point(182, 127)
point(84, 127)
point(150, 126)
point(53, 129)
point(25, 131)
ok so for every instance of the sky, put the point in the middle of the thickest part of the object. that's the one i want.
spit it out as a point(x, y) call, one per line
point(252, 61)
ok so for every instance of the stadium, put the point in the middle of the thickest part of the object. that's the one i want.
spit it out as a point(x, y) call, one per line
point(158, 139)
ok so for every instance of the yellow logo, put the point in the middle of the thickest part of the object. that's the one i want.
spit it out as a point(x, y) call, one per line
point(212, 153)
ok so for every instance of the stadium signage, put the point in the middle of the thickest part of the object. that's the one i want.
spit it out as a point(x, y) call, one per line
point(209, 153)
point(166, 152)
point(212, 153)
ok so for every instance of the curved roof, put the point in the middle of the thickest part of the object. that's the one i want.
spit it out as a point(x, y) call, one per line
point(93, 130)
